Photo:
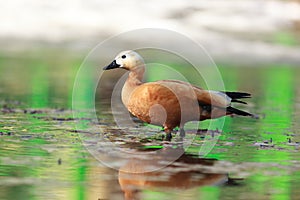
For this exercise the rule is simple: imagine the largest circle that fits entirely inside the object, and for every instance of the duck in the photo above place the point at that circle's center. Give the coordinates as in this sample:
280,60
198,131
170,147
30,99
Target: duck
171,103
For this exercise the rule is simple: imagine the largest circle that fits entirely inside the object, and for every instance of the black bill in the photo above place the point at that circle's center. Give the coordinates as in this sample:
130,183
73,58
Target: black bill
112,65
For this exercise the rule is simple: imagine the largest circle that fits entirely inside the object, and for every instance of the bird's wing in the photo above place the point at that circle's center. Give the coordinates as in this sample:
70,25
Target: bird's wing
213,98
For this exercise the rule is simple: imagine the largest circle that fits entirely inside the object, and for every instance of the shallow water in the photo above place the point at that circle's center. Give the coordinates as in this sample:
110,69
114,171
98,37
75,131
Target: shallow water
45,152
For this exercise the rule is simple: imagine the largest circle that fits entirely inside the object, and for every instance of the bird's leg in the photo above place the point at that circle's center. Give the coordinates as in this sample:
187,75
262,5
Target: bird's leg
181,132
163,135
168,134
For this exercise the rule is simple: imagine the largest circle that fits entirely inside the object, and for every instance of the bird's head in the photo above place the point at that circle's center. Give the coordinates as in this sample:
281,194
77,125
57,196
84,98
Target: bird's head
128,60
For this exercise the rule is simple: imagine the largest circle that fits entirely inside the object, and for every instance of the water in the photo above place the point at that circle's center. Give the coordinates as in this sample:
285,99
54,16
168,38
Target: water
42,154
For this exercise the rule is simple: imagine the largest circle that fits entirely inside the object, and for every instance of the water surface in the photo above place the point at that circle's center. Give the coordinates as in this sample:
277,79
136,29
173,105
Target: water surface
42,155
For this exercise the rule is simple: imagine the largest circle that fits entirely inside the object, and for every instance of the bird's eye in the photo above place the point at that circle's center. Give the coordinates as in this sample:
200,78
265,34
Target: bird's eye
123,57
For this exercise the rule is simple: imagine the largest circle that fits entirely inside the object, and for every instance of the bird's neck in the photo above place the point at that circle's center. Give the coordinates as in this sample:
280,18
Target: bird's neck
134,80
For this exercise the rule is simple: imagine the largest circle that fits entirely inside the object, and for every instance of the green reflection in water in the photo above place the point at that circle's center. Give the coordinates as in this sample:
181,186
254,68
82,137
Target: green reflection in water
83,91
40,86
210,192
83,99
81,177
278,98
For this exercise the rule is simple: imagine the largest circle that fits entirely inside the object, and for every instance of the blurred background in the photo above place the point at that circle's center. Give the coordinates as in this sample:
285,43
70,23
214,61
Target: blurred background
255,44
51,39
232,31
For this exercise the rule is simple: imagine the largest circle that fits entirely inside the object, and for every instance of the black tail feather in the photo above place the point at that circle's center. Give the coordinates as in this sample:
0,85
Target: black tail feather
238,101
238,95
232,110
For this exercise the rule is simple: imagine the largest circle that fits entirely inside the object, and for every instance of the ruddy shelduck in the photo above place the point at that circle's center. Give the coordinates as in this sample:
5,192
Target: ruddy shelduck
170,103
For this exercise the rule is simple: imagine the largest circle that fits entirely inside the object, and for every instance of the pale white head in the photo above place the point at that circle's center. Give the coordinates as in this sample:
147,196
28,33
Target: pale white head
128,60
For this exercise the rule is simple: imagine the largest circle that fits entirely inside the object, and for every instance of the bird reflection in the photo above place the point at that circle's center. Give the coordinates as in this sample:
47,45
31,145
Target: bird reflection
184,173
